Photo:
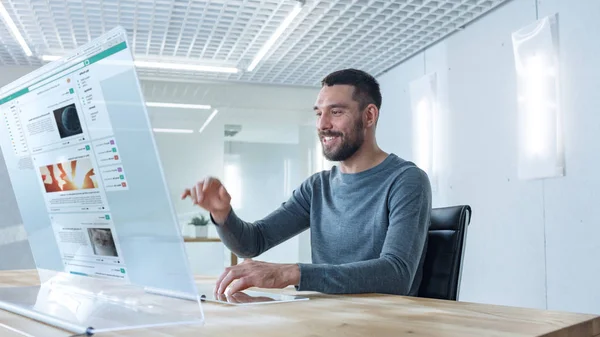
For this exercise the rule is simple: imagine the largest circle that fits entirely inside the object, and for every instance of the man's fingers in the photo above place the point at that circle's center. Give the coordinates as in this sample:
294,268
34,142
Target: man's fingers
240,297
199,192
220,279
232,299
231,276
186,193
222,297
207,182
193,195
241,284
223,195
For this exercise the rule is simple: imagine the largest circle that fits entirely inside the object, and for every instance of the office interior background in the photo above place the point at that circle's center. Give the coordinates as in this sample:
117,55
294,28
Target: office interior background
533,240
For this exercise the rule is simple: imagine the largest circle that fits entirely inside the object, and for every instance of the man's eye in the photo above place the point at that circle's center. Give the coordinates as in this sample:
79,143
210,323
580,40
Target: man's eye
318,114
336,112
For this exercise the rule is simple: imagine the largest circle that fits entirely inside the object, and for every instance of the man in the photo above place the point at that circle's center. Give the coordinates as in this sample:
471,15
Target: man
368,218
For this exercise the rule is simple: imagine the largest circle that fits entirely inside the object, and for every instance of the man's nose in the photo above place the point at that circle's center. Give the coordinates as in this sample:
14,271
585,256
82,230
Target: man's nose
324,122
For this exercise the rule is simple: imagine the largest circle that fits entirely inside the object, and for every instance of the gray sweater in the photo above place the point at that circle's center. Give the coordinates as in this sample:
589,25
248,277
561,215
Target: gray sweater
368,229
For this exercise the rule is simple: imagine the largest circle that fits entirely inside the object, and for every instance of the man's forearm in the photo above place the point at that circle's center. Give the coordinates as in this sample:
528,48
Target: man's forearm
247,239
242,238
381,275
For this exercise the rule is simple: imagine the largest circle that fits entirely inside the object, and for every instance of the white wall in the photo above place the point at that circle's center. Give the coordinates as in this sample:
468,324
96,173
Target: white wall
572,229
263,180
187,159
531,243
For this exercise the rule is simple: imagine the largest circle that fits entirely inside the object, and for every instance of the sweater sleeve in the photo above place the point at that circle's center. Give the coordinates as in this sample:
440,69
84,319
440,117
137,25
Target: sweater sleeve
247,239
409,208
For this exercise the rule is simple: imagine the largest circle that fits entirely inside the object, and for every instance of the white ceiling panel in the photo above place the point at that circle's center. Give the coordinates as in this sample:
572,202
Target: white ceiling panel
372,35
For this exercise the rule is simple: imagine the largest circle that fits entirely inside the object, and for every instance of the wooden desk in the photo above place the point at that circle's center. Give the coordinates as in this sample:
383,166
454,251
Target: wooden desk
234,258
326,315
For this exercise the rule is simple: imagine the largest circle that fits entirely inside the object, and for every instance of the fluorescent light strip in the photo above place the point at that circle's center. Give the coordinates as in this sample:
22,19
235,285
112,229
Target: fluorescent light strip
180,66
210,118
14,30
173,130
166,65
275,36
50,58
178,106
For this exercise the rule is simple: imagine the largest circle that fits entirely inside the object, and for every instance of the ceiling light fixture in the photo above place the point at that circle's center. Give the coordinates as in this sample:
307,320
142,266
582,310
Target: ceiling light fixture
166,65
173,130
178,105
286,22
181,66
14,30
50,58
210,118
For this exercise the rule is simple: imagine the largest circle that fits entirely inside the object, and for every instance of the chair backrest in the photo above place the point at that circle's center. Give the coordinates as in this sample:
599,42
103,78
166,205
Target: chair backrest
443,260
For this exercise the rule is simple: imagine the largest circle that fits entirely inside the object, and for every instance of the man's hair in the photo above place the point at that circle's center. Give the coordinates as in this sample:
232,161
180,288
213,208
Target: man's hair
366,87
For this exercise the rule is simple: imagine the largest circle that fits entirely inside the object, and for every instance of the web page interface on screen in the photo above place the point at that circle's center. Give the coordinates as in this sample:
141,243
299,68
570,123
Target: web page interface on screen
76,139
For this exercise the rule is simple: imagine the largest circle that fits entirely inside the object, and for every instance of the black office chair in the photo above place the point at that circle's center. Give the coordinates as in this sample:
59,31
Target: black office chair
443,259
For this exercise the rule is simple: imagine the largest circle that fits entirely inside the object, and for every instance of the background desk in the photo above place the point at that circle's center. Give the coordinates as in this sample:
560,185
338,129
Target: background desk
326,315
234,258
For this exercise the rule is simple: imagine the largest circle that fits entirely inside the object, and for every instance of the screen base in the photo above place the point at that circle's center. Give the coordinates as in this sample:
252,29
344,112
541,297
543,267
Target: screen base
80,312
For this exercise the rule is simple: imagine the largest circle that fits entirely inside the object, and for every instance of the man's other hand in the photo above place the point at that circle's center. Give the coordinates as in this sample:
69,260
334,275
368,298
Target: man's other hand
257,274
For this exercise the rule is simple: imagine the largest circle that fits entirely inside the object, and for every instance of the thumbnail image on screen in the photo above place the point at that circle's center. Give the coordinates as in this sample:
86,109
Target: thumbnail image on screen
72,175
102,241
67,121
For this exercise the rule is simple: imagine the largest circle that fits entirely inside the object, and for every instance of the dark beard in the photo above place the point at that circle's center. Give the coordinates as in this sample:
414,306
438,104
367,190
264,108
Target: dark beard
349,146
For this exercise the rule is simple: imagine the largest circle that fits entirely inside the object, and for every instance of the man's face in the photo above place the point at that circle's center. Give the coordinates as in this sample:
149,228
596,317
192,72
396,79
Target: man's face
339,122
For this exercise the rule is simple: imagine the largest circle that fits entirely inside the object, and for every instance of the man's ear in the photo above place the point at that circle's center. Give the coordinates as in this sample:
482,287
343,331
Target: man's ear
372,114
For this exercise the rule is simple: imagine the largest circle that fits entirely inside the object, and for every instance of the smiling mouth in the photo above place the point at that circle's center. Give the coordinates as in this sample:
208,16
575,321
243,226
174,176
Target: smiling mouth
328,139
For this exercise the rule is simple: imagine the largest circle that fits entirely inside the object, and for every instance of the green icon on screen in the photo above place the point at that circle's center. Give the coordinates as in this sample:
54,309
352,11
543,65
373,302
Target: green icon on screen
107,217
71,91
114,149
122,177
87,147
122,271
